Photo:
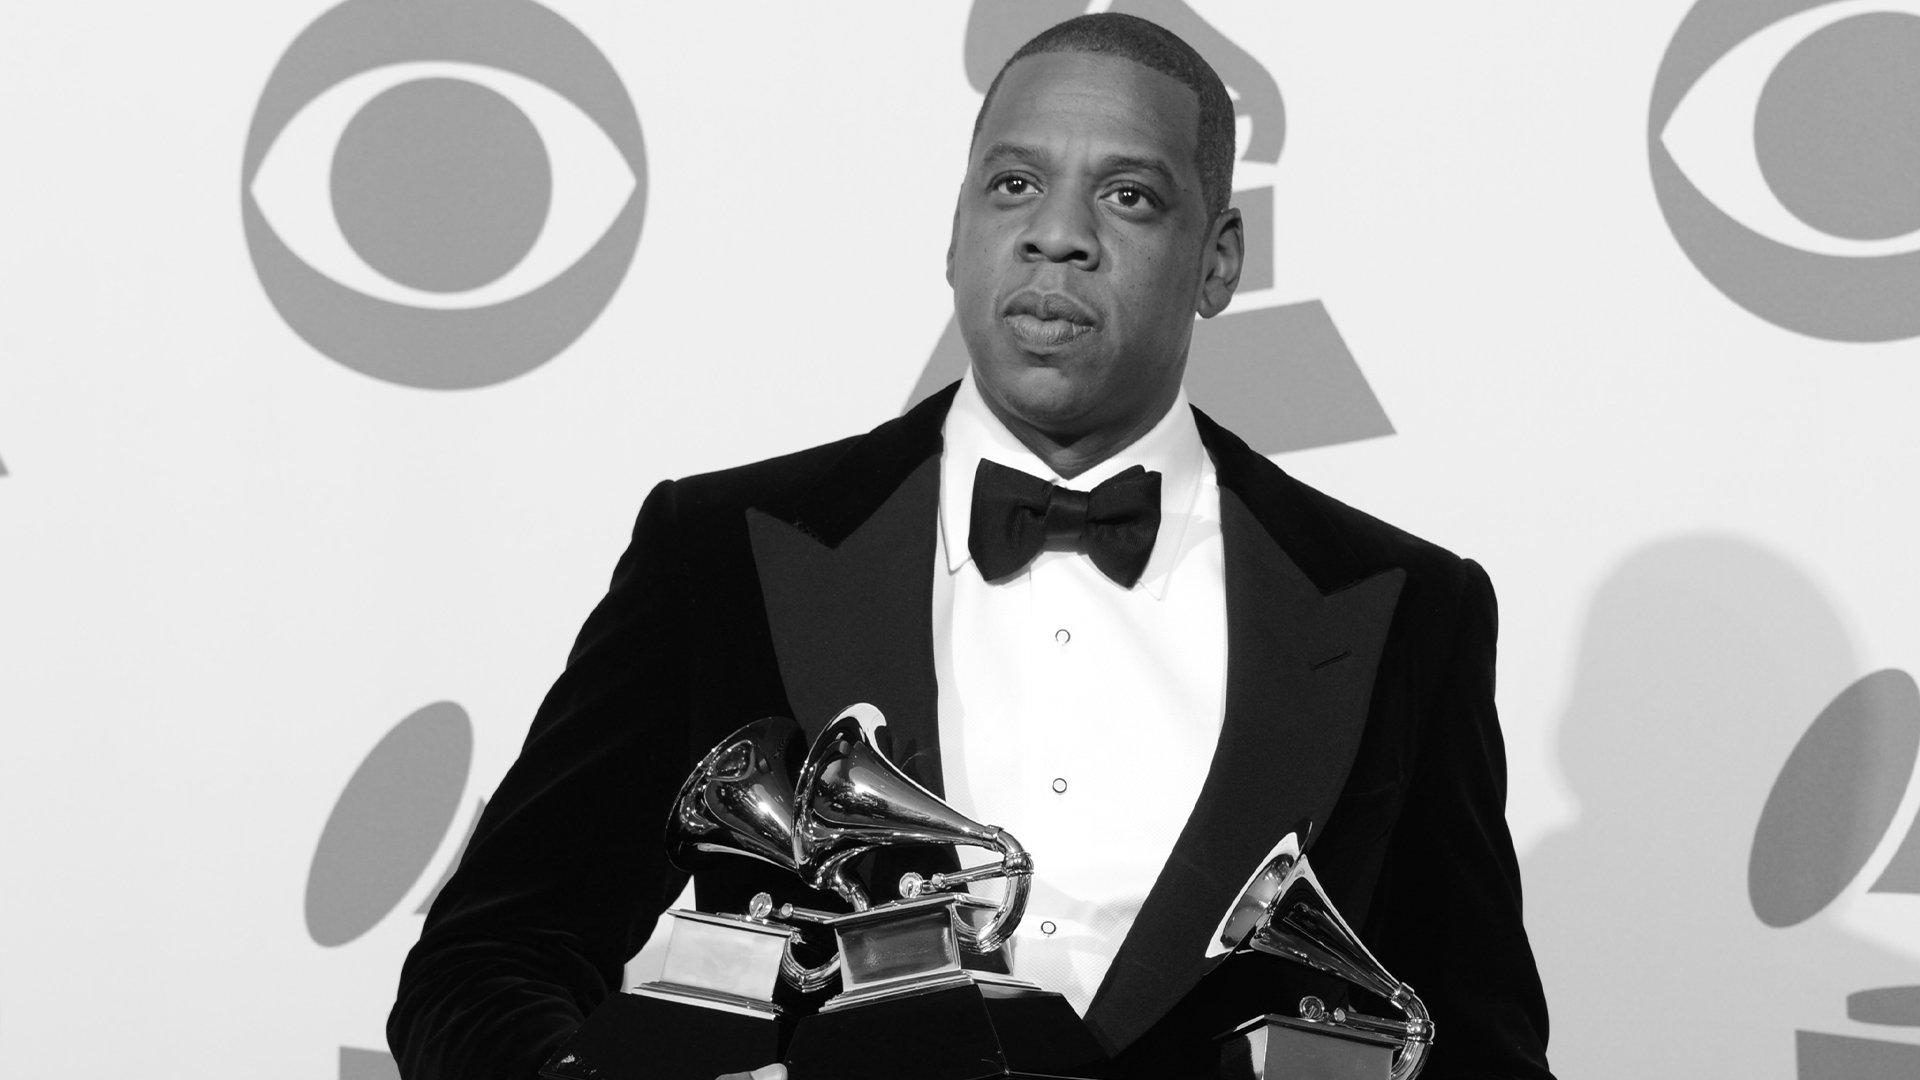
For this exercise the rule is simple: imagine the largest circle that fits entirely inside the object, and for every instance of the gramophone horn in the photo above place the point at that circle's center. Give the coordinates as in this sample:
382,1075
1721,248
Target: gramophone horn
852,798
739,801
1296,921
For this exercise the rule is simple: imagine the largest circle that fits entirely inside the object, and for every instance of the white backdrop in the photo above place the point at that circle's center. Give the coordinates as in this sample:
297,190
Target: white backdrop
251,526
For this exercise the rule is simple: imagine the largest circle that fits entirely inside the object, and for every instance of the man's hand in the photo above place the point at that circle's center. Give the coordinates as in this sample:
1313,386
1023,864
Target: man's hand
764,1072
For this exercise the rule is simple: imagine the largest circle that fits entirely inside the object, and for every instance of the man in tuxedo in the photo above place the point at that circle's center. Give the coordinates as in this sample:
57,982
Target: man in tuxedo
1091,615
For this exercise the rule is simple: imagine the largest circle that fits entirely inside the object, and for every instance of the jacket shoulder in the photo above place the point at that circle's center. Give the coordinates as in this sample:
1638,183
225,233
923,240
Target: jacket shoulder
1440,585
1378,544
1335,543
770,482
827,489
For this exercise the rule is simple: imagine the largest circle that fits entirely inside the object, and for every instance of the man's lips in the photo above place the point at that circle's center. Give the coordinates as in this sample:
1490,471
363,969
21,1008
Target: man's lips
1046,321
1035,333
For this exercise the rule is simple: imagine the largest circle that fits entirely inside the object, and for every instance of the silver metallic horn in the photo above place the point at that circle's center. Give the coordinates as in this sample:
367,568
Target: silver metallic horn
852,799
739,801
1284,912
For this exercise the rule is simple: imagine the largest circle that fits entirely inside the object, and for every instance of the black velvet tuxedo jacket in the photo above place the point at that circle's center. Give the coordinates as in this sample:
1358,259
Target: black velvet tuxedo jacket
1359,698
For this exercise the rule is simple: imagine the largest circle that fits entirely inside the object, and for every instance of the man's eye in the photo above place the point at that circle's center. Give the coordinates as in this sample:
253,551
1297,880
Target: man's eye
1013,185
1131,196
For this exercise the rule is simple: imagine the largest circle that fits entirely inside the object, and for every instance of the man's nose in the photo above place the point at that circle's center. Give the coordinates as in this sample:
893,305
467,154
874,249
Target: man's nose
1062,230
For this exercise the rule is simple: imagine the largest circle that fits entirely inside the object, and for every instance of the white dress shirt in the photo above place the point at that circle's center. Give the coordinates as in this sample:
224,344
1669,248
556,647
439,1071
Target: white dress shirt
1079,715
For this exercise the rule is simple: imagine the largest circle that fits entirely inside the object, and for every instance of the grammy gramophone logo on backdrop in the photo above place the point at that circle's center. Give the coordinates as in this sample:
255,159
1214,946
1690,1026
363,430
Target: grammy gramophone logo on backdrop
396,812
1835,804
1784,144
1279,376
442,194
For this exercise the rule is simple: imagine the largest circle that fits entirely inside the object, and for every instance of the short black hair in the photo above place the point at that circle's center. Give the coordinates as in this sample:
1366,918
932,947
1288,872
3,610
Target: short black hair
1154,46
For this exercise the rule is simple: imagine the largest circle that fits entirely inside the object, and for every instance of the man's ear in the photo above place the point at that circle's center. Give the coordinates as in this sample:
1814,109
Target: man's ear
953,234
1220,266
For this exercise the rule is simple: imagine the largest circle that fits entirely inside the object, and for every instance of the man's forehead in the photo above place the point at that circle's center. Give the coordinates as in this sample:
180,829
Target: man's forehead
1127,107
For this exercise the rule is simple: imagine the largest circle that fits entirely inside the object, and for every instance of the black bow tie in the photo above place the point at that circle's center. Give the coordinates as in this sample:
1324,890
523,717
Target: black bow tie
1015,515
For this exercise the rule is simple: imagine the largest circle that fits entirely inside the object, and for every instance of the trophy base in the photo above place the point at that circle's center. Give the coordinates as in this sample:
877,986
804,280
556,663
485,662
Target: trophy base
1284,1048
971,1030
662,1032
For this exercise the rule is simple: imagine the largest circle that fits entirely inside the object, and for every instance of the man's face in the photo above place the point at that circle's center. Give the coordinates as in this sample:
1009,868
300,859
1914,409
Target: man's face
1082,247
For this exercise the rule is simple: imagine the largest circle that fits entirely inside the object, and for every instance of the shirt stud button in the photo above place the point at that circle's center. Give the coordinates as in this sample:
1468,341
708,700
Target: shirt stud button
1063,635
1059,785
1048,928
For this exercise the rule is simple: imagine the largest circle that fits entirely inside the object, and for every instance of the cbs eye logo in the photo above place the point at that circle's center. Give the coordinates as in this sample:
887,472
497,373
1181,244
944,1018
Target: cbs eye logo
1784,143
440,194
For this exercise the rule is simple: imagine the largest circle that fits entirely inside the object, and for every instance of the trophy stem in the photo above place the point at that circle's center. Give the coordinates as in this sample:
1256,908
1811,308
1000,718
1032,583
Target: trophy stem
944,882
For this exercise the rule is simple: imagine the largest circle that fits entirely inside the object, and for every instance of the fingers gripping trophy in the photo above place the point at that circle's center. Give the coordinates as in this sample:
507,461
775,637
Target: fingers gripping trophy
906,1002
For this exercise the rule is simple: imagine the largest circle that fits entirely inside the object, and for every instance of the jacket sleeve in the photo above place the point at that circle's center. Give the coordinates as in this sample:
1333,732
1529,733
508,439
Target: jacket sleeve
565,873
1447,908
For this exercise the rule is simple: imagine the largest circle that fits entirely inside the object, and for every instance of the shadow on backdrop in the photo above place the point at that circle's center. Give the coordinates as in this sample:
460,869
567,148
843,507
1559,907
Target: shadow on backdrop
1703,665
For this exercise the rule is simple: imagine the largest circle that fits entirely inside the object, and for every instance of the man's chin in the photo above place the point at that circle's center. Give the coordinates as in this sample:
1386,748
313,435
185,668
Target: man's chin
1041,399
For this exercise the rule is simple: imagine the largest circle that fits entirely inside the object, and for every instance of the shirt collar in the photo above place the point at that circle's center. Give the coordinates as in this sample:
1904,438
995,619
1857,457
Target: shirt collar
1172,448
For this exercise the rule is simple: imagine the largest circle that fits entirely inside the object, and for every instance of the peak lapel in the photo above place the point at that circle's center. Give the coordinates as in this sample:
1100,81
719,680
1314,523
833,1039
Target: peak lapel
1305,634
847,573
